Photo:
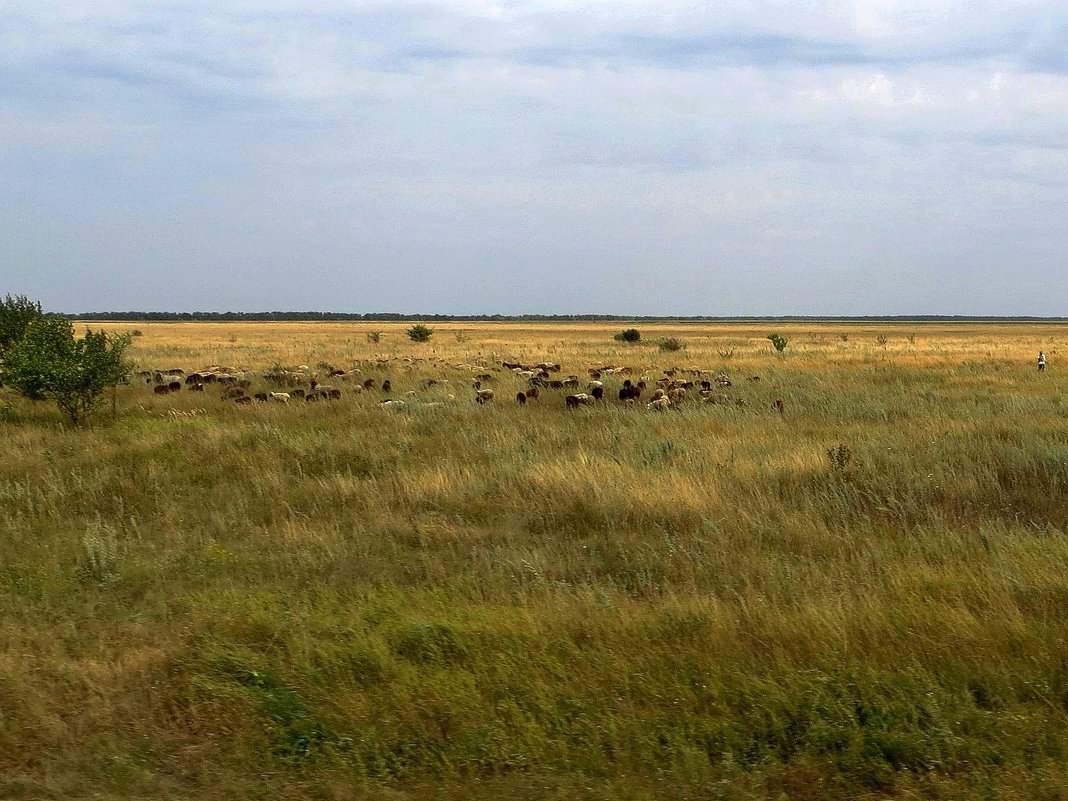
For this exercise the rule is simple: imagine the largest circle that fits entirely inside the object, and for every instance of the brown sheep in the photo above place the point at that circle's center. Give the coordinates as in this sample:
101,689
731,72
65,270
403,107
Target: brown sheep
779,406
521,398
532,393
483,395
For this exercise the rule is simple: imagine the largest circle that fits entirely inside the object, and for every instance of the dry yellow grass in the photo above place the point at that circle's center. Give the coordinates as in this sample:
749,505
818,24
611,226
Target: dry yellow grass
457,601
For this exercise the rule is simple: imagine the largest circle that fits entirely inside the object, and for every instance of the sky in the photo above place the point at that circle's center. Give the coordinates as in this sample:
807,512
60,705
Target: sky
743,157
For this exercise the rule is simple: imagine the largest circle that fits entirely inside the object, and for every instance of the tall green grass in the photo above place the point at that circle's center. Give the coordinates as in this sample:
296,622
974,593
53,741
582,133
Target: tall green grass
334,601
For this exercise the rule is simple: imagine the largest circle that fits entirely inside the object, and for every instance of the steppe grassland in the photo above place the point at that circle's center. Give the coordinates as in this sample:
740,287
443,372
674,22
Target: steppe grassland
334,601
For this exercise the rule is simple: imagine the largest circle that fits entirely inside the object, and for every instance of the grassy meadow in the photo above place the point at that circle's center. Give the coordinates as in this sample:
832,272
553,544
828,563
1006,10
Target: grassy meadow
455,601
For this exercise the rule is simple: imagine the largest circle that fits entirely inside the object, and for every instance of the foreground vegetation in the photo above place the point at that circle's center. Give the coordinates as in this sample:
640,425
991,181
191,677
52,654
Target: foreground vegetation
862,597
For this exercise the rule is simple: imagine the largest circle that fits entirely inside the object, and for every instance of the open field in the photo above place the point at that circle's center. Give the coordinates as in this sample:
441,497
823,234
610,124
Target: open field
206,600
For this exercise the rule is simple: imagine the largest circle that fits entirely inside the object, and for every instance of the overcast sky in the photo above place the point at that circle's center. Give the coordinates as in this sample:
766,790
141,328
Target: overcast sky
742,157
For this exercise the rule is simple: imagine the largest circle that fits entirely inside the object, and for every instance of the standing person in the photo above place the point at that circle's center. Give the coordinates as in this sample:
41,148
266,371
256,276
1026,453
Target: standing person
1041,361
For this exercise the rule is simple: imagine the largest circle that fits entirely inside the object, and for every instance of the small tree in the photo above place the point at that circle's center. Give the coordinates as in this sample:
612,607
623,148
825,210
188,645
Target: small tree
629,335
16,314
49,362
420,333
778,341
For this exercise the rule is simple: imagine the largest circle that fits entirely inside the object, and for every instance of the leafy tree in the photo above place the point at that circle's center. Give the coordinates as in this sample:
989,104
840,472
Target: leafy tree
50,363
778,341
16,314
420,333
629,335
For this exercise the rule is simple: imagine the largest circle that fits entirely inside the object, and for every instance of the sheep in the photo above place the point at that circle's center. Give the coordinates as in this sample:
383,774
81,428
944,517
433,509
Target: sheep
279,397
243,400
392,404
659,405
779,406
387,386
532,393
581,399
594,385
483,395
521,398
631,391
597,393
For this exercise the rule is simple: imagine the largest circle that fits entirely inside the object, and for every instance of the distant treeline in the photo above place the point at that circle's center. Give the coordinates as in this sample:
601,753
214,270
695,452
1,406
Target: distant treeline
390,317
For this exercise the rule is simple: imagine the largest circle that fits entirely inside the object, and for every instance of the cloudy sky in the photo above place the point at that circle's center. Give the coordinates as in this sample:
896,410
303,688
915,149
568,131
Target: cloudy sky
741,157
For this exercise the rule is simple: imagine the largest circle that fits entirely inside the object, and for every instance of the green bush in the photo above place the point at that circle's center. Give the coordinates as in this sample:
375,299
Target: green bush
778,341
50,363
16,315
629,335
420,333
671,344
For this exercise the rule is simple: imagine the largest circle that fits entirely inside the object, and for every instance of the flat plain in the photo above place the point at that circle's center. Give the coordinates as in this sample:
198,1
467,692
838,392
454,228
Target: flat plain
858,592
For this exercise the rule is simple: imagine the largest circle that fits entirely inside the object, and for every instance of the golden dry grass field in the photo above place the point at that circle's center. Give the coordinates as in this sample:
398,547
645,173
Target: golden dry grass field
863,596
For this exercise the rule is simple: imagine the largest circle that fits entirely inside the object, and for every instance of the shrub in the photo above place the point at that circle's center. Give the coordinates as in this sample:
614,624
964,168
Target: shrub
49,362
778,341
374,336
628,335
137,332
671,344
882,340
420,333
16,315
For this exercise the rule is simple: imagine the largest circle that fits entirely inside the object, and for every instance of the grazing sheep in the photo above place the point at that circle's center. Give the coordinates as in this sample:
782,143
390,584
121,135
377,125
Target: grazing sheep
597,393
160,389
297,393
676,395
243,400
392,404
483,395
779,406
581,399
370,383
532,393
174,386
631,392
753,378
197,387
279,397
387,386
261,396
521,398
659,405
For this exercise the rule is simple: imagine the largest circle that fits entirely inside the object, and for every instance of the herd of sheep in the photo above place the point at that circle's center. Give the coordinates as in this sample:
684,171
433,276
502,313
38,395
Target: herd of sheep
667,390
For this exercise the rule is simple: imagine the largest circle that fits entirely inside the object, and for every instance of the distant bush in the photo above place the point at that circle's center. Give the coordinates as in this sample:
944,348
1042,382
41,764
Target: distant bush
882,339
137,332
374,337
628,335
420,333
671,344
778,341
